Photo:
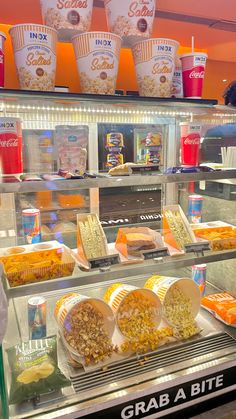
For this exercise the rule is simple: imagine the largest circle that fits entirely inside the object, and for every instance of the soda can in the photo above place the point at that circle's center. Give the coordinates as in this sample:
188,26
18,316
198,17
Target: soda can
199,277
31,225
37,317
2,41
195,208
11,160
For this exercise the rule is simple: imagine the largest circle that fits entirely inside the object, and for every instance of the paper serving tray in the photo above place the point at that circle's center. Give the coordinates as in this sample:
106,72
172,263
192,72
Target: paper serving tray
47,265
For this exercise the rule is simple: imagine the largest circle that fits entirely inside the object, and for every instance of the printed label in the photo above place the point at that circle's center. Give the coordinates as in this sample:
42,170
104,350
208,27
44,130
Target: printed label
130,18
73,15
155,65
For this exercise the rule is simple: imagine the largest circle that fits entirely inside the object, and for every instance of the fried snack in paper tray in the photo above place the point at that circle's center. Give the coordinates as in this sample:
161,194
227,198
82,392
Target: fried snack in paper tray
37,266
34,369
222,306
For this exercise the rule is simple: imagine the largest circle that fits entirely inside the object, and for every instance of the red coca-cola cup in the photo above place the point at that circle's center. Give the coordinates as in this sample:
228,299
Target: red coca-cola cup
2,40
193,67
190,143
11,162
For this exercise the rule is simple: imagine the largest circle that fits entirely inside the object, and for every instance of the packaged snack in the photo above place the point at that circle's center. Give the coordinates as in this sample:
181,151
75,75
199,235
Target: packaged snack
115,159
115,139
135,240
34,369
72,144
176,228
222,306
91,239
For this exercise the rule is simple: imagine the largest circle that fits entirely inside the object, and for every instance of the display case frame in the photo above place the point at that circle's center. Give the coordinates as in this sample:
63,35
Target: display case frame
136,387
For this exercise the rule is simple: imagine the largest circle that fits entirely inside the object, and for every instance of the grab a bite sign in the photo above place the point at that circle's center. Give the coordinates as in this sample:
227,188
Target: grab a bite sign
169,399
174,398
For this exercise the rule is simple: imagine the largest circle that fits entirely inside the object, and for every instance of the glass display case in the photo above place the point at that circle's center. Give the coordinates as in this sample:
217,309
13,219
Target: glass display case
157,381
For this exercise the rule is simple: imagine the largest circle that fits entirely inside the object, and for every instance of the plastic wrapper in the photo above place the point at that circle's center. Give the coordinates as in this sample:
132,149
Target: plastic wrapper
176,228
34,369
222,306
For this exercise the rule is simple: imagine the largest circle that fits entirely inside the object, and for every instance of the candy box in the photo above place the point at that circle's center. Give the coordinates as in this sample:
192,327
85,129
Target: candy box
222,306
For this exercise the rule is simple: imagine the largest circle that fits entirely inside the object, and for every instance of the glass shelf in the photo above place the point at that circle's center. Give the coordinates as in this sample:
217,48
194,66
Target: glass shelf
105,181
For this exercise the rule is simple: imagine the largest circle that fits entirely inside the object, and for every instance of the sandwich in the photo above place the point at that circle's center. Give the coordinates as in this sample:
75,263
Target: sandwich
139,242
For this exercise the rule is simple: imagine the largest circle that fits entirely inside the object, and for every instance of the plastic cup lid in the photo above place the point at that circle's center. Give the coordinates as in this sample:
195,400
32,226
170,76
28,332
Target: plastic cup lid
190,54
201,267
197,197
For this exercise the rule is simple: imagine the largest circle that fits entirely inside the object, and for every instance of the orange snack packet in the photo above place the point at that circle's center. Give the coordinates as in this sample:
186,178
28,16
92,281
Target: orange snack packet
222,306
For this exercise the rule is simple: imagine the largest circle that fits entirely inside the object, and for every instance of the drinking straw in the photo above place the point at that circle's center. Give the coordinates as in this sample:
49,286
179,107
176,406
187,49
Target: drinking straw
193,44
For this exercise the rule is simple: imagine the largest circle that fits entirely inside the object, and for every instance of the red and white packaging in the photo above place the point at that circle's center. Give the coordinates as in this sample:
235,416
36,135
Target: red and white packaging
2,40
190,143
193,66
11,161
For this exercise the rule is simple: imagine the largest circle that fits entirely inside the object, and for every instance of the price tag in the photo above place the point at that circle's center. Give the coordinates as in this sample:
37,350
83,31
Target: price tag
104,261
145,169
197,247
156,253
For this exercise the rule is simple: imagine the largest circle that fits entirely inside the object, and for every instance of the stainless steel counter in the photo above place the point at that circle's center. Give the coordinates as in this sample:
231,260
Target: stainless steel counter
171,366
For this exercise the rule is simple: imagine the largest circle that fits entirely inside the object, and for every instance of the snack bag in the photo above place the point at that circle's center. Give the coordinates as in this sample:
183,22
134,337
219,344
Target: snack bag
222,306
34,369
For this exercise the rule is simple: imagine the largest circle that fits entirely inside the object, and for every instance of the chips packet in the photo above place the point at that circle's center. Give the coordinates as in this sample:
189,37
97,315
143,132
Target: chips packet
222,306
34,369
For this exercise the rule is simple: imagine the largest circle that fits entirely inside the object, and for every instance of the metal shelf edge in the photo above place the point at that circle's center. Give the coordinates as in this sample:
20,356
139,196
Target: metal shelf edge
118,272
114,182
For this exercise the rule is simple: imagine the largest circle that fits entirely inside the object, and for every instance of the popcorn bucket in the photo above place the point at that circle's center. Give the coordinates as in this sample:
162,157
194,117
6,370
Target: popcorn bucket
97,55
67,17
35,56
132,20
118,294
163,286
155,65
66,307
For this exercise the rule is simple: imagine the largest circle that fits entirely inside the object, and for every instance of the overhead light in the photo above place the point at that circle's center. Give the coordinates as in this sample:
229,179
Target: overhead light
224,80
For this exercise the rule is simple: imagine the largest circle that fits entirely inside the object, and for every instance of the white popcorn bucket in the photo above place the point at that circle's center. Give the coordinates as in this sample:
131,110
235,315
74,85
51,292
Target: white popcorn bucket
119,294
155,65
72,300
177,86
35,56
131,20
67,17
161,285
97,55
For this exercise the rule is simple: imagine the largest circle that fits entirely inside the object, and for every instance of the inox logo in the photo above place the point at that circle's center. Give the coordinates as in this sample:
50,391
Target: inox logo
7,125
39,36
165,48
103,42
